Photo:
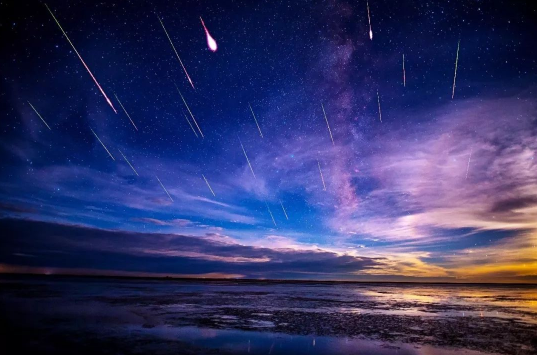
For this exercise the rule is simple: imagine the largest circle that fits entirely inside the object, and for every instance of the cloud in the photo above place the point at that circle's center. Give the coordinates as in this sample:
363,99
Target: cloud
424,186
15,208
174,222
76,185
90,248
508,257
513,204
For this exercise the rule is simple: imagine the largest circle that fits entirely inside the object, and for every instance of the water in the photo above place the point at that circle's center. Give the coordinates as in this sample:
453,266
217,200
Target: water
56,315
241,342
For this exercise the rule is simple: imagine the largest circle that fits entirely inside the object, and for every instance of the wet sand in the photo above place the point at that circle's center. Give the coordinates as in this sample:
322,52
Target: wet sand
85,315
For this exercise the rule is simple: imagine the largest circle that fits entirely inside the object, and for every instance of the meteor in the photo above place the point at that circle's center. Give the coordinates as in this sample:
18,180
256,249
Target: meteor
248,160
271,215
321,172
167,193
468,167
190,124
82,60
211,43
100,141
177,54
404,73
369,19
39,115
188,108
209,186
329,130
117,98
255,119
284,212
128,162
456,63
380,112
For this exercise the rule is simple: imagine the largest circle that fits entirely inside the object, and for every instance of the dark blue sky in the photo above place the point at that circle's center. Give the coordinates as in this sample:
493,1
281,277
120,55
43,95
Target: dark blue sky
437,187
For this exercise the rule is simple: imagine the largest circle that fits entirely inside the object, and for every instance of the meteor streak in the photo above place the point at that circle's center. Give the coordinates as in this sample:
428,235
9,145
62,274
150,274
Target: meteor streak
329,130
211,43
321,172
128,162
100,141
190,124
188,108
82,60
248,160
117,98
271,215
39,115
468,167
209,186
177,54
284,212
255,119
404,73
456,64
380,112
167,193
369,19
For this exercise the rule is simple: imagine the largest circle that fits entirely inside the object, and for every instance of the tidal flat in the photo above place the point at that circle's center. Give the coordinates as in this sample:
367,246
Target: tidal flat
83,315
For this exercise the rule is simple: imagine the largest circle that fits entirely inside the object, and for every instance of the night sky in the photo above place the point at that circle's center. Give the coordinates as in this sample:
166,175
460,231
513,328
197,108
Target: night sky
428,188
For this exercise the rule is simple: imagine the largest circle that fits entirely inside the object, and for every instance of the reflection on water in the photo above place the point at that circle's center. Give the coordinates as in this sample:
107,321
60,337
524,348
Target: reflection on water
518,296
242,342
510,302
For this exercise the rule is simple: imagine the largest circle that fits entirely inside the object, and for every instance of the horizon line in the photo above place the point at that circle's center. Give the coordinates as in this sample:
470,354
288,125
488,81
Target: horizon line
246,280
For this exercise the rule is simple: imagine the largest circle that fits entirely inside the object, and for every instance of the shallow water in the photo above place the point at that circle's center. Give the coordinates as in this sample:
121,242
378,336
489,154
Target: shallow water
67,314
252,342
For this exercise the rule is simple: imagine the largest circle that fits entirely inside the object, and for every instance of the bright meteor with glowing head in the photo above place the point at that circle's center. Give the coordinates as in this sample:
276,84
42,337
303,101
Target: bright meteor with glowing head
211,43
369,20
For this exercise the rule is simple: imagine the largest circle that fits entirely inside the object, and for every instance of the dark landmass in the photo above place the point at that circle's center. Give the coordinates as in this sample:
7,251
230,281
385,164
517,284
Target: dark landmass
252,281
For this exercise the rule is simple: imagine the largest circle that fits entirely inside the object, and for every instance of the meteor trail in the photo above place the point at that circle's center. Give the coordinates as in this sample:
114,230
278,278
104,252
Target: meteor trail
329,130
380,112
117,98
128,162
255,119
100,141
284,212
39,115
468,167
209,186
190,124
456,63
188,108
248,160
271,215
321,172
369,19
82,60
177,54
404,73
211,43
164,188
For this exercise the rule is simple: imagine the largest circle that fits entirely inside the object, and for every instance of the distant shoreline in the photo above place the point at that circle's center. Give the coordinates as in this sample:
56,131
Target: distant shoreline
249,281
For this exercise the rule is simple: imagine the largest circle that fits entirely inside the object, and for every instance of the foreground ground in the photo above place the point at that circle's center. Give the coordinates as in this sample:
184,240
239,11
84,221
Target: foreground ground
112,316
